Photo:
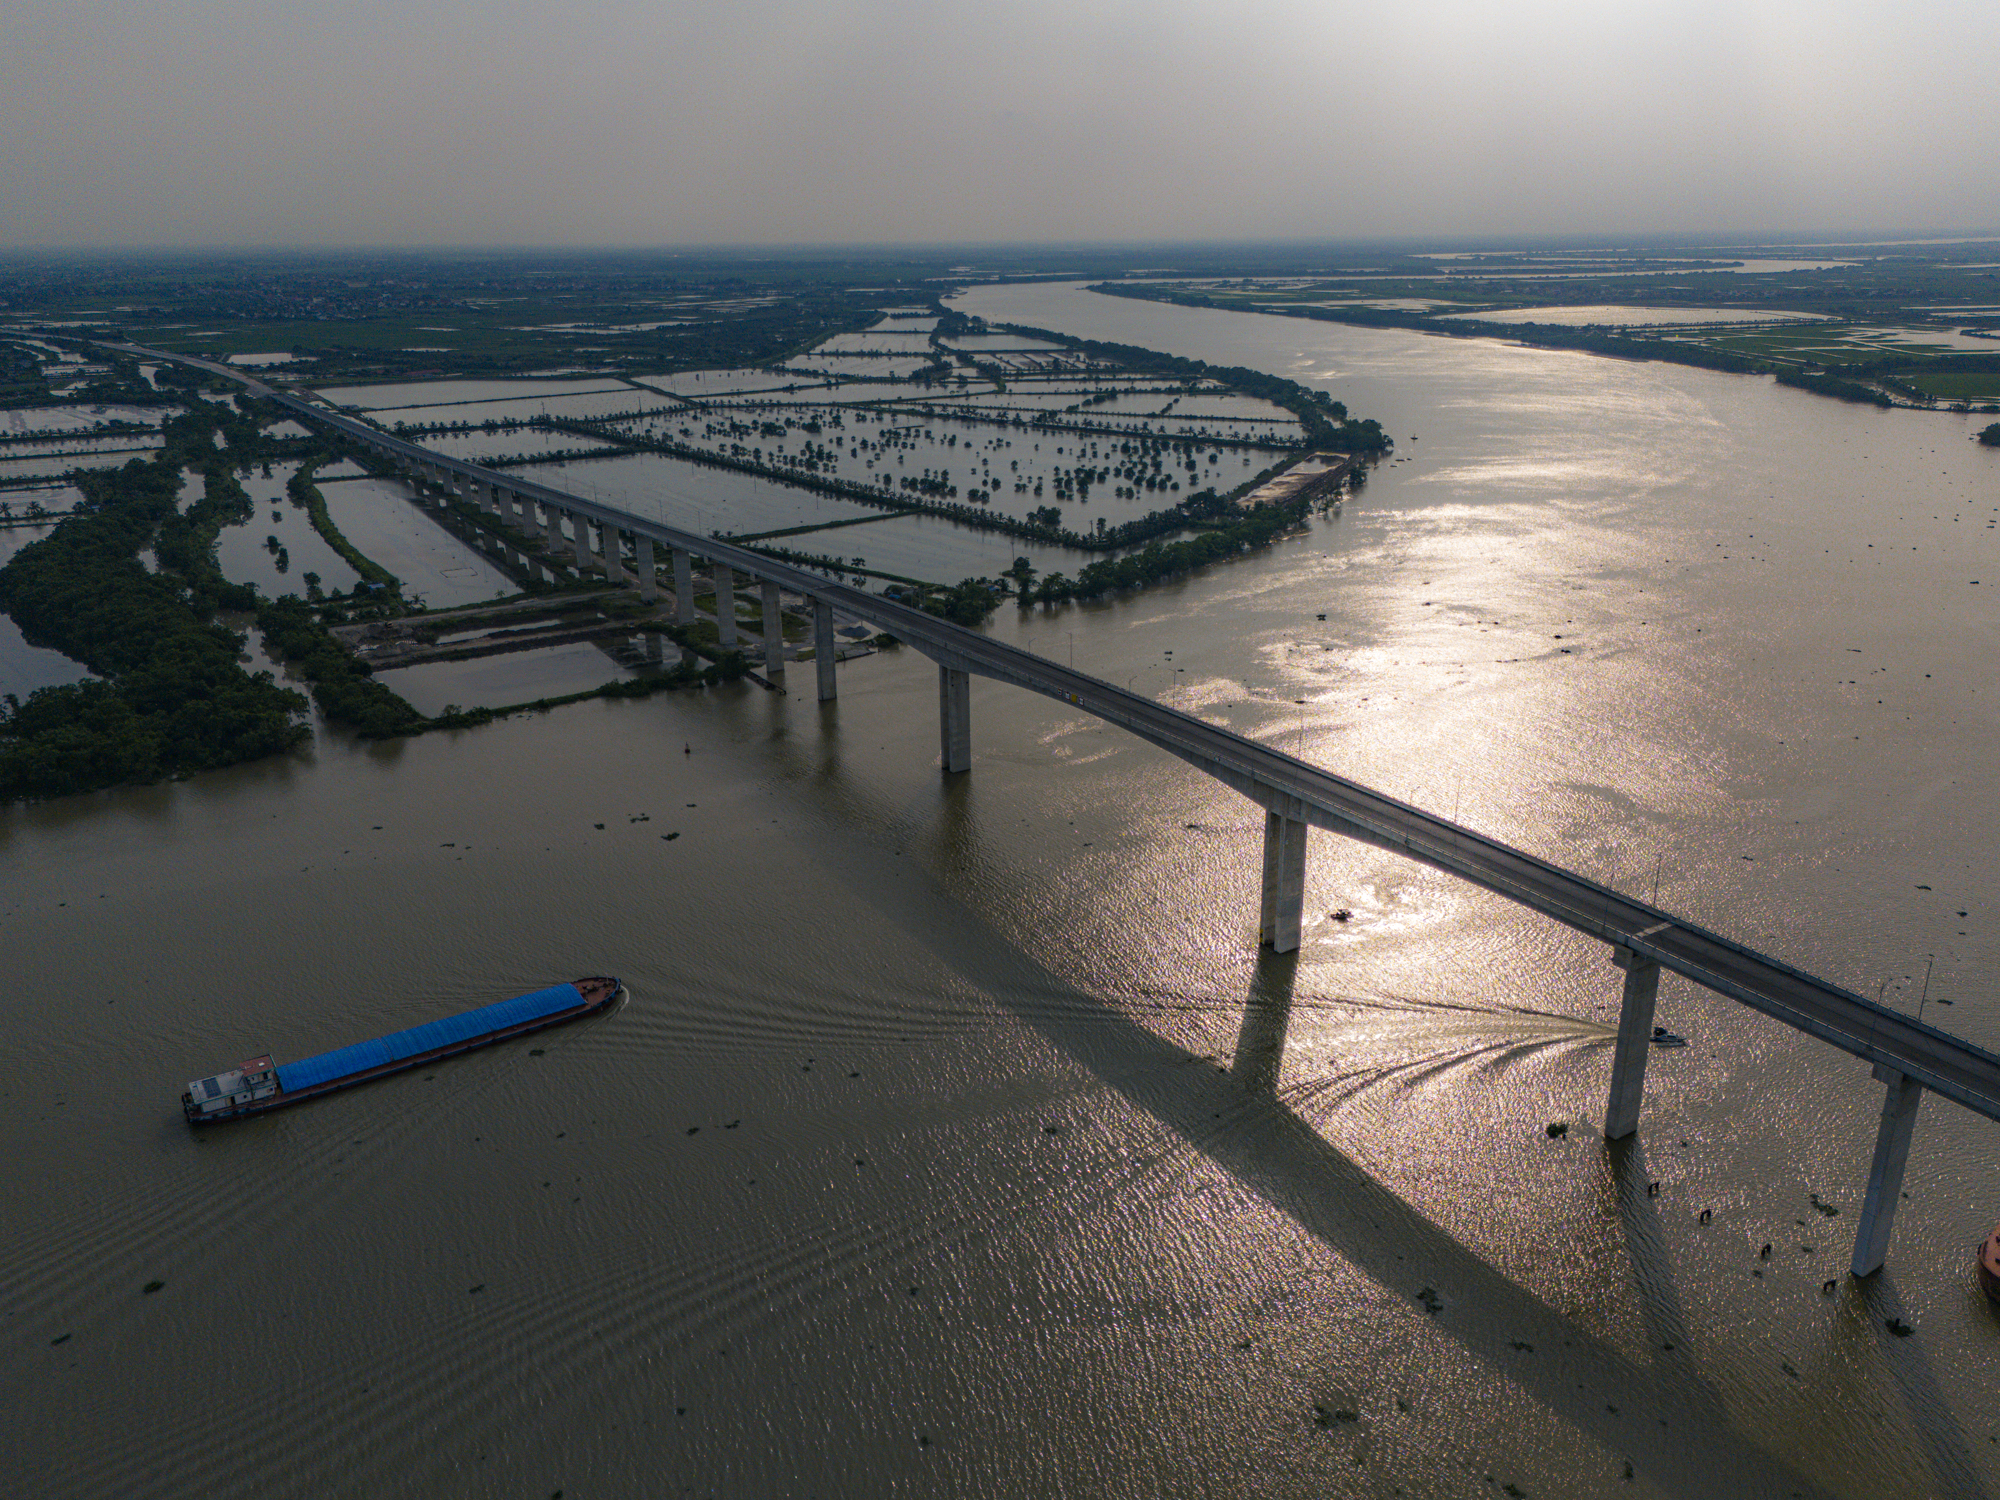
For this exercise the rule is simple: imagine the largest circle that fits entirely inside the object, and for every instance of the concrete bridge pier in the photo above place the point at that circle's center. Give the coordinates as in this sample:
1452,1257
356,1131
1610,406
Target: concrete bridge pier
954,719
581,528
1635,1036
614,552
684,597
1885,1173
683,587
522,517
774,632
649,578
1281,920
725,606
823,648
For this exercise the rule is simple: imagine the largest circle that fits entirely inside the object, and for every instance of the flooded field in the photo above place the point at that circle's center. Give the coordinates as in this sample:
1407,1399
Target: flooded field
1141,446
377,517
83,443
968,450
890,338
695,497
496,681
480,447
23,667
717,382
453,392
933,547
824,393
244,552
874,367
997,343
24,419
55,464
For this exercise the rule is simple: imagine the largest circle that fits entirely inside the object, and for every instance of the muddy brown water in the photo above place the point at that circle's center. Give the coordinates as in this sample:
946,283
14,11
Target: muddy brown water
954,1138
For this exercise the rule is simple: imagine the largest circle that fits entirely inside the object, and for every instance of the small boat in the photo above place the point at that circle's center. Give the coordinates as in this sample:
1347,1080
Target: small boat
1989,1266
257,1086
1665,1038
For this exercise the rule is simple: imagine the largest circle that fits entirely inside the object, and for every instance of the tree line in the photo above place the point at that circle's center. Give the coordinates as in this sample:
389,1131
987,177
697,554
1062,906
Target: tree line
1157,561
1849,383
169,697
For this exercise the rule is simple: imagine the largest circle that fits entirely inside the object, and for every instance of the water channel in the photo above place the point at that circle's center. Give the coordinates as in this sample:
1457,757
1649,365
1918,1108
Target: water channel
956,1140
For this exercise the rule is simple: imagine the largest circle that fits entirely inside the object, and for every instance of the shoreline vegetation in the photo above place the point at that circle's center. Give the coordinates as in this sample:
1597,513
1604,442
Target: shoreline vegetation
168,697
304,492
1881,381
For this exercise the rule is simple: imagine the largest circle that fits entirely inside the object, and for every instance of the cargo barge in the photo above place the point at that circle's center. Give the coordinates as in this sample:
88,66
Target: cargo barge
257,1086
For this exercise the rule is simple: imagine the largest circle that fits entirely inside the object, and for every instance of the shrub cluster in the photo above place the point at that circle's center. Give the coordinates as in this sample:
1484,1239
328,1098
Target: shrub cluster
1136,570
169,698
342,686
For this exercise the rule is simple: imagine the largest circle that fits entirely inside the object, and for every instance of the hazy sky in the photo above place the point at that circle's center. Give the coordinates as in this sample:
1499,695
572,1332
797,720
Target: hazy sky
617,122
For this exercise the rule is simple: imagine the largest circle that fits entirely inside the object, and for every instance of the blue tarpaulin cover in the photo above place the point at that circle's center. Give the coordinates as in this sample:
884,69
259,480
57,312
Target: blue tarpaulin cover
359,1057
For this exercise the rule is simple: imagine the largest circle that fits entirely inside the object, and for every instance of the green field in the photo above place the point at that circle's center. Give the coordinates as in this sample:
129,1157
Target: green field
1950,387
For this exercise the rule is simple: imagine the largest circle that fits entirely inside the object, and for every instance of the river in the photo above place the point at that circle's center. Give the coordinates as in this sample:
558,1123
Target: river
955,1139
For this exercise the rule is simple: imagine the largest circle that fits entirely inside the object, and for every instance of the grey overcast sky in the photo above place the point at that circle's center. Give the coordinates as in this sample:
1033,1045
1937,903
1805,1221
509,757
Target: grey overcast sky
656,122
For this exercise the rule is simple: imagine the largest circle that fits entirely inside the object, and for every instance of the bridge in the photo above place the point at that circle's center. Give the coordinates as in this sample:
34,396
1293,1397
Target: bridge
1907,1056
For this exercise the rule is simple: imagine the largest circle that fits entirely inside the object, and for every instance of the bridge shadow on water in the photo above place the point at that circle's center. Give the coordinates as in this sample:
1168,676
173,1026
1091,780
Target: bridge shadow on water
1867,1310
1684,1442
1871,1308
1658,1410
